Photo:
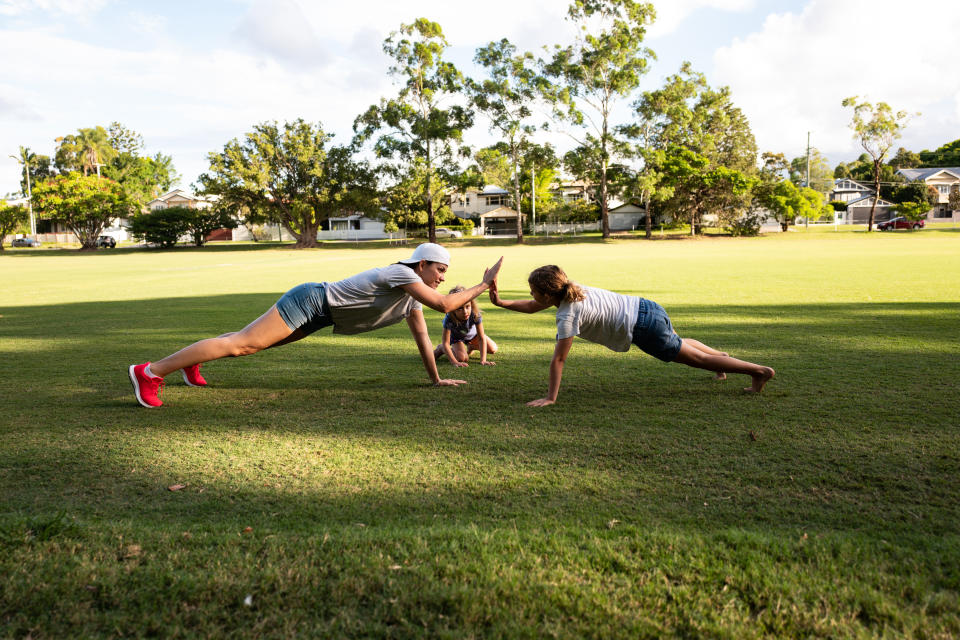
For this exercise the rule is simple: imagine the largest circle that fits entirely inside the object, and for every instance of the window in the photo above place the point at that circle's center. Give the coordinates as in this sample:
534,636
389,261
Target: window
468,201
495,200
944,189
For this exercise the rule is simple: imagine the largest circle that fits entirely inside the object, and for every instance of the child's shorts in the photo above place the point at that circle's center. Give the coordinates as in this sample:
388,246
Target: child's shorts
654,332
305,307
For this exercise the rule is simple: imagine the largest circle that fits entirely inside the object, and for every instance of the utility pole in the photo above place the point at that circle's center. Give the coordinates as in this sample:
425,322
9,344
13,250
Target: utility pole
806,219
533,199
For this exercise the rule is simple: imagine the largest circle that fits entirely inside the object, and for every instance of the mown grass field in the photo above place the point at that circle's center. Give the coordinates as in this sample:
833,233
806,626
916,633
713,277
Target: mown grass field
330,492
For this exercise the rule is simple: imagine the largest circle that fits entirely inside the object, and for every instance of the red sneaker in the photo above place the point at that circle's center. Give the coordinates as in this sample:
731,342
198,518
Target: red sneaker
147,388
191,375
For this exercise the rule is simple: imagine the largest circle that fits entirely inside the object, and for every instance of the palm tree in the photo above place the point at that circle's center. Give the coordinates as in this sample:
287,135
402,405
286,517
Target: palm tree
88,150
27,158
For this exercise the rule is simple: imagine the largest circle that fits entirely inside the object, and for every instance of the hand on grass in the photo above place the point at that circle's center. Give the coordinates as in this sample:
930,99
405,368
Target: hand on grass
488,362
540,402
457,363
449,382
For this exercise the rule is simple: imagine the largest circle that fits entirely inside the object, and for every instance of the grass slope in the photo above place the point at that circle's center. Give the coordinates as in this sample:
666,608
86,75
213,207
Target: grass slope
331,492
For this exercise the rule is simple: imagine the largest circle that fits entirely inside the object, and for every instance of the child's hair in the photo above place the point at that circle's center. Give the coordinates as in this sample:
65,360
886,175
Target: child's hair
551,281
474,307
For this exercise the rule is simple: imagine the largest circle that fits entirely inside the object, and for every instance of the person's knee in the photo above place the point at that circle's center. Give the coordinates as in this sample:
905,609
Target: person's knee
237,346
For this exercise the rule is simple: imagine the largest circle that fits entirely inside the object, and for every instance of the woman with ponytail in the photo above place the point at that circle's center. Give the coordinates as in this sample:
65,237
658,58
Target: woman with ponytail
616,321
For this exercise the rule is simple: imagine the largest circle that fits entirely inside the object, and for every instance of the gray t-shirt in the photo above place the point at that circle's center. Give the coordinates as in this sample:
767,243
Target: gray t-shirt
603,317
371,299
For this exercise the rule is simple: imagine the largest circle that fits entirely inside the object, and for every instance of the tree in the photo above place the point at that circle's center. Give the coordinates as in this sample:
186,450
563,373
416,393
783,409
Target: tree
27,158
413,127
904,159
83,203
404,201
947,155
876,127
954,198
203,221
12,218
913,210
539,168
687,115
505,97
87,151
821,176
697,186
290,175
602,67
162,227
492,167
143,177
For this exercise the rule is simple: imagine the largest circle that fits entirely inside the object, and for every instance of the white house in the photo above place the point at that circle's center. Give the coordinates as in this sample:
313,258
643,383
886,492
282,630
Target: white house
943,179
178,198
471,203
354,227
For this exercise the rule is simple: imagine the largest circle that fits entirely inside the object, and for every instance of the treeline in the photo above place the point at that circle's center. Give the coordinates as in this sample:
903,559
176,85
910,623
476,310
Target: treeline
685,152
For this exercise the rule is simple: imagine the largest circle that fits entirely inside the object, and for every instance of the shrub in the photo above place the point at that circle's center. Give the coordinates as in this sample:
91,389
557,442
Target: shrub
162,227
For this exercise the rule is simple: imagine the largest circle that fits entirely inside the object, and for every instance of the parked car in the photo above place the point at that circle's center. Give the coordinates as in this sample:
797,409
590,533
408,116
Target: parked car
900,223
443,232
108,242
25,242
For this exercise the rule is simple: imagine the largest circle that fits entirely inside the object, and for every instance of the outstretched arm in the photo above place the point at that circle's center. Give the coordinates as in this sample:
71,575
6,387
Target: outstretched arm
523,306
418,327
444,303
556,373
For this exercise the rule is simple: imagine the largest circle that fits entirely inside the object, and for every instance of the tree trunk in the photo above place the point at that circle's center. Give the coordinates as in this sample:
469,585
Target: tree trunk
431,221
516,195
876,193
647,222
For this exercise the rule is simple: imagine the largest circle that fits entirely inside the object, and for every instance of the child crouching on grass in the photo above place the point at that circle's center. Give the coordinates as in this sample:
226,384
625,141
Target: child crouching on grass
616,321
463,333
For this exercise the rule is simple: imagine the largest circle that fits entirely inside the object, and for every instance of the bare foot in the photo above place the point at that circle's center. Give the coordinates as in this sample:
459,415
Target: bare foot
760,379
719,375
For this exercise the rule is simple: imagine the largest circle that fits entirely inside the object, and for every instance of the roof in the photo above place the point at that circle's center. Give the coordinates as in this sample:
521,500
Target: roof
492,189
880,203
856,182
925,174
500,212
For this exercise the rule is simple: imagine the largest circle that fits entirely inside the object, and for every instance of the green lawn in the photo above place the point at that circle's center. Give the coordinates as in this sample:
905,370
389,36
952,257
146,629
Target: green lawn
331,492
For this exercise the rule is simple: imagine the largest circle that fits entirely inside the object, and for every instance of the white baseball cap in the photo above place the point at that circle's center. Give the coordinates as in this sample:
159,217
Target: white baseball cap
430,252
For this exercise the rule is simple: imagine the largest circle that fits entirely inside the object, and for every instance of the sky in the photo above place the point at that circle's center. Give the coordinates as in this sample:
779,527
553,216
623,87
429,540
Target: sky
191,75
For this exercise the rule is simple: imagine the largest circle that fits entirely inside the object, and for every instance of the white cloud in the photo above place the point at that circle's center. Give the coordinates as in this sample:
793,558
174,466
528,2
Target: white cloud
281,29
791,76
65,7
672,13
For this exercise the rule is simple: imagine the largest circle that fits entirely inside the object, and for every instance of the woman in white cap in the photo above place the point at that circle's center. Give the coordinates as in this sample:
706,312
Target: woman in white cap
369,300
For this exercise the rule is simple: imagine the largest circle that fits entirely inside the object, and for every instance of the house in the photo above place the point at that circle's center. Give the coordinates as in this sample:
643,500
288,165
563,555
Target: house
943,179
847,190
500,221
572,191
858,211
354,226
626,216
471,203
178,198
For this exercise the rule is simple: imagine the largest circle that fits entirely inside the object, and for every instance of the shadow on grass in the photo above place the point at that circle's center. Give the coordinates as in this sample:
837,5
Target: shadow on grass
856,434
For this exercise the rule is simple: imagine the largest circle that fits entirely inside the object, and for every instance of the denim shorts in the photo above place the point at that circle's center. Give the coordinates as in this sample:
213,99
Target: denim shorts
654,332
305,307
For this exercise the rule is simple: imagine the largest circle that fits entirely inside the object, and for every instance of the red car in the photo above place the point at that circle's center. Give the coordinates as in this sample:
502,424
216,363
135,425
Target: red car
900,223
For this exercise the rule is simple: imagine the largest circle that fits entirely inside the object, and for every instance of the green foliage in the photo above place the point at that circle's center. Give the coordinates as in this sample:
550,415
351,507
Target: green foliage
838,205
290,175
821,177
875,127
787,202
84,150
413,128
85,204
689,128
504,96
493,167
404,200
590,77
947,155
898,190
204,220
162,227
747,224
905,159
913,210
12,219
954,198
